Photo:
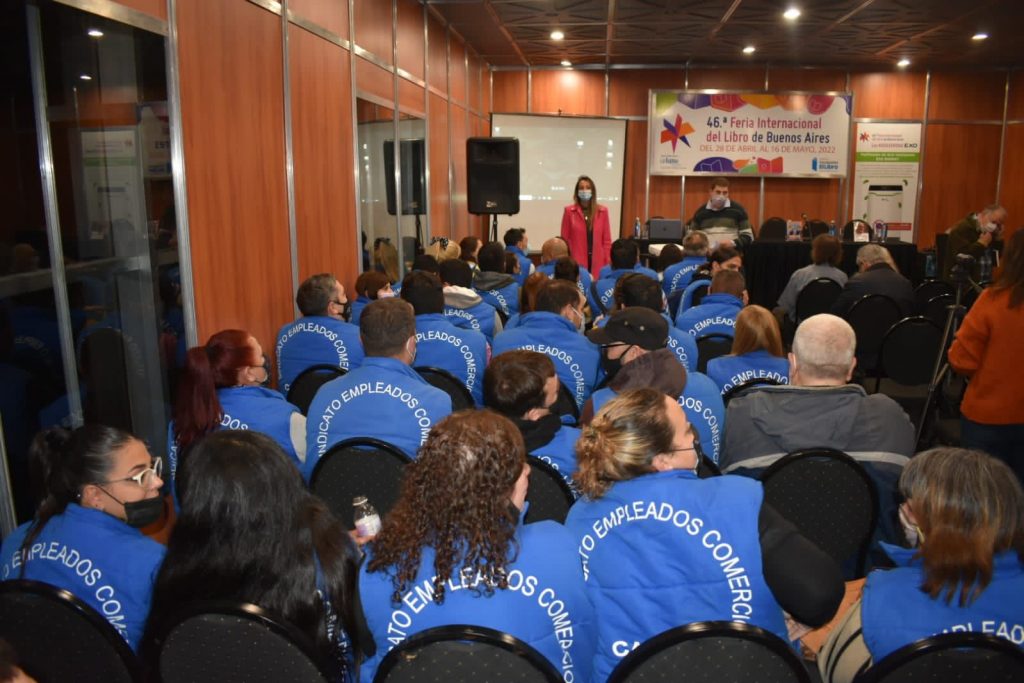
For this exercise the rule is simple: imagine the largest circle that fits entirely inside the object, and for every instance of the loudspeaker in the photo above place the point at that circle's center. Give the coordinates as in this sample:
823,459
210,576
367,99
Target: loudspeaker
411,156
492,168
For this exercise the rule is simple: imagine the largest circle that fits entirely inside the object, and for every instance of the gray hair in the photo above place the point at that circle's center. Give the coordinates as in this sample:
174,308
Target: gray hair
823,346
871,254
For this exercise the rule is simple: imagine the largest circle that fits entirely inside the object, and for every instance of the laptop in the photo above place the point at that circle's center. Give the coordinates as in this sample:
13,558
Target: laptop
665,230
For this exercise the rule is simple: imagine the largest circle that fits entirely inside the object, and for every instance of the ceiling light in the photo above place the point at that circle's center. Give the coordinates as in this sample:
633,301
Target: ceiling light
749,50
94,33
557,35
566,62
792,14
86,77
980,35
903,63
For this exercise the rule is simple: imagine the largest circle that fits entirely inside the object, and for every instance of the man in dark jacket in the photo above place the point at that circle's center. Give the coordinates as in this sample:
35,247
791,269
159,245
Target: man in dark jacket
973,236
877,275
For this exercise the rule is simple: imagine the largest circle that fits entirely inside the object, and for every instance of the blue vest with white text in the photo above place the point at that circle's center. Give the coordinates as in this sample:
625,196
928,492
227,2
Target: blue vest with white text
560,453
682,345
582,284
440,344
731,371
605,286
666,549
479,318
716,314
315,340
678,275
525,265
505,299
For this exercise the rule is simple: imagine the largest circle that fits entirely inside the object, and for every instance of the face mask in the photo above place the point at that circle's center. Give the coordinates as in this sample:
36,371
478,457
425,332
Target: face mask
140,513
581,325
912,531
717,202
386,294
611,366
266,372
584,195
346,311
411,350
989,227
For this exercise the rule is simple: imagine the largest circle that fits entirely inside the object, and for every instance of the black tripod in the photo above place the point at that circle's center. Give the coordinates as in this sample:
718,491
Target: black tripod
961,274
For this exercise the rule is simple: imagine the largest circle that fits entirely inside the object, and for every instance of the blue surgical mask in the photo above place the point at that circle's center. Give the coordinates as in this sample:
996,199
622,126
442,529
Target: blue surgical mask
584,195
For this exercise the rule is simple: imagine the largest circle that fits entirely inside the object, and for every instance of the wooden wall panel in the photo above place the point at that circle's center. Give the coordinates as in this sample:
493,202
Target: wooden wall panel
373,30
440,215
457,70
959,175
460,132
474,83
486,105
888,95
664,201
411,97
230,54
437,53
325,199
509,92
568,92
330,14
1016,108
790,198
727,79
410,38
374,80
634,175
154,8
1010,195
807,79
975,95
627,88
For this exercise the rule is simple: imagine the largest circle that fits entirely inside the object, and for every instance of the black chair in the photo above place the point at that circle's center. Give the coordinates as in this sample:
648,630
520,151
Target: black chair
309,381
928,289
359,467
829,497
816,297
449,384
908,352
60,638
699,293
548,495
712,652
849,227
222,642
566,404
673,302
773,229
937,308
950,657
711,346
816,227
707,467
871,316
743,388
464,654
941,252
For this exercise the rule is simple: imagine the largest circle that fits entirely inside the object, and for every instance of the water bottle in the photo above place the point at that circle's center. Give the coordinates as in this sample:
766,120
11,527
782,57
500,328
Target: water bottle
366,518
832,228
930,267
985,267
885,231
636,227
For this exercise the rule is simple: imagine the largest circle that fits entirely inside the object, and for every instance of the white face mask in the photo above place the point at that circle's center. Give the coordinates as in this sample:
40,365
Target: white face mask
989,227
410,348
581,325
385,294
584,195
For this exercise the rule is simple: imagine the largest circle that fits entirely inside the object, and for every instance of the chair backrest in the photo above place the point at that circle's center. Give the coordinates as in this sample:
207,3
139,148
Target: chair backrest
772,229
816,227
711,652
871,316
742,388
60,638
828,496
924,292
224,642
565,405
909,350
464,654
449,384
950,657
849,227
941,248
548,494
699,293
816,297
309,381
359,467
711,346
936,308
673,302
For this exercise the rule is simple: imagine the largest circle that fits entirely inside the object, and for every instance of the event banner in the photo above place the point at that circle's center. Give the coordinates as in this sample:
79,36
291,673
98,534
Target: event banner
886,167
711,132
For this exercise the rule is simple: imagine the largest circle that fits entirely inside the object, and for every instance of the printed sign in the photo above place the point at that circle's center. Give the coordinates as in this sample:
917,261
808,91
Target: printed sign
887,164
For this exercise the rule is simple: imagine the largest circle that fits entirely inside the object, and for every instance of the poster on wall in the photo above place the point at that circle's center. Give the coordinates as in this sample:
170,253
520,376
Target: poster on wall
154,139
111,186
711,132
886,167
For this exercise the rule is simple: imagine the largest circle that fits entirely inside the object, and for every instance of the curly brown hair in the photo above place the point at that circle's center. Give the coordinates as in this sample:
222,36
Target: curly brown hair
456,499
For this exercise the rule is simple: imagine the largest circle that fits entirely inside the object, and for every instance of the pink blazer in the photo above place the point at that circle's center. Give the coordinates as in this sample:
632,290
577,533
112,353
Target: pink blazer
574,232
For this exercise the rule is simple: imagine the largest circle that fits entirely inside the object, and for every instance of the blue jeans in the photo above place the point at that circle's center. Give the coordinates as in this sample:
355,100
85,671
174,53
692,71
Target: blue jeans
1005,442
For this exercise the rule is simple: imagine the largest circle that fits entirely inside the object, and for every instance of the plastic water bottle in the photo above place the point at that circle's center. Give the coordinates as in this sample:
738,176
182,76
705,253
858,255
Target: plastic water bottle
366,518
985,267
930,267
636,227
832,228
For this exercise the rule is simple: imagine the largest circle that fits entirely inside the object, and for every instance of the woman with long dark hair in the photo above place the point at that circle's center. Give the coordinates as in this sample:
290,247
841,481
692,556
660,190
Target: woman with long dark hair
586,228
98,487
756,352
454,551
223,388
249,531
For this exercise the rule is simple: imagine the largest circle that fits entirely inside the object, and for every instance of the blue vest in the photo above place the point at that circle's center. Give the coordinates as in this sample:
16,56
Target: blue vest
895,612
383,399
607,271
545,604
730,371
582,284
358,305
716,314
97,558
605,287
315,340
683,345
577,360
678,275
667,549
686,301
560,453
440,344
479,318
505,299
525,264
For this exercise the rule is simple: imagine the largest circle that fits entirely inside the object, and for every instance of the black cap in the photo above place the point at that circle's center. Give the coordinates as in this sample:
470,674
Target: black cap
637,326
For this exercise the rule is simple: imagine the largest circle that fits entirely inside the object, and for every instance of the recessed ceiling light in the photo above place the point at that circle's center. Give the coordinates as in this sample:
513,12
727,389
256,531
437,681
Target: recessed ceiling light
749,50
566,62
86,77
95,33
980,35
792,14
903,63
557,35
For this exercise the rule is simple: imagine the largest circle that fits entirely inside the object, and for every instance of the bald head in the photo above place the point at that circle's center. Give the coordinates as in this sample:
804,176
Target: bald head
823,352
553,249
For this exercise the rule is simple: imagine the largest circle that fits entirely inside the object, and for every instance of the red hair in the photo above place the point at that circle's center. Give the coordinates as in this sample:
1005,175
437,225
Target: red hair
197,410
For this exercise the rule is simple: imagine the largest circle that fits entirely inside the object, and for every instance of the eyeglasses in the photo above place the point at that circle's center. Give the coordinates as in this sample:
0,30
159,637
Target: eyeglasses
145,477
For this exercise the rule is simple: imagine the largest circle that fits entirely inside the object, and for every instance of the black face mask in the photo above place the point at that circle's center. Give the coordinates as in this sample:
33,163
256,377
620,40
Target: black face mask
346,311
610,366
266,372
140,513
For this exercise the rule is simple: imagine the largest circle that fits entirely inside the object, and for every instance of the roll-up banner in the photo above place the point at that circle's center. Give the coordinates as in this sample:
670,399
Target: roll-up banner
714,132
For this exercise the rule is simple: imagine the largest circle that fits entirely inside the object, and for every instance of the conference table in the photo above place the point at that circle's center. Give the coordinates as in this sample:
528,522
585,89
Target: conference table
768,264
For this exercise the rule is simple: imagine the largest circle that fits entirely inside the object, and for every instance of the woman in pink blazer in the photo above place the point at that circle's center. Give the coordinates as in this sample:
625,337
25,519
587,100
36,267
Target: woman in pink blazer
585,227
